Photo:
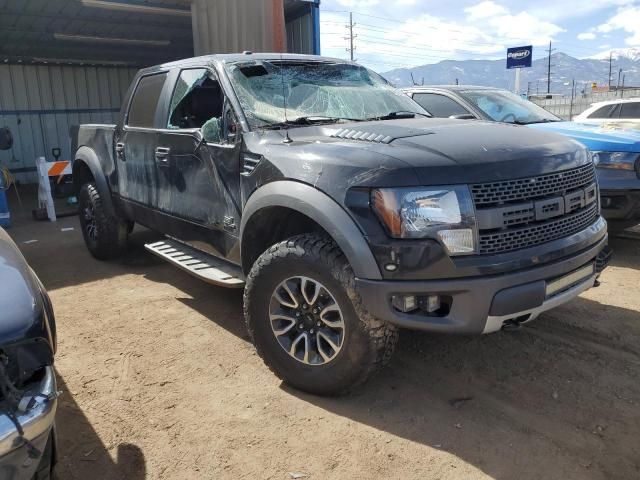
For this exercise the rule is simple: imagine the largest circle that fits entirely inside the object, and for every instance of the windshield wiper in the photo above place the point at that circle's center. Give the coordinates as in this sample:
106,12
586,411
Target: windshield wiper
399,114
309,120
530,122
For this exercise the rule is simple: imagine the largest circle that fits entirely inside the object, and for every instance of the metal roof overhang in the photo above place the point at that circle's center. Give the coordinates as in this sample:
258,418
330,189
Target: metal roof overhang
95,32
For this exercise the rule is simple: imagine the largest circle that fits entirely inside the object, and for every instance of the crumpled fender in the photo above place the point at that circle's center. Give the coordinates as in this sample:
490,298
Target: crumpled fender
323,210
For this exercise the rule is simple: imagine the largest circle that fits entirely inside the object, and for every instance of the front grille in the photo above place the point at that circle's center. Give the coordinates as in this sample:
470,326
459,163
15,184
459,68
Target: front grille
525,212
508,239
509,191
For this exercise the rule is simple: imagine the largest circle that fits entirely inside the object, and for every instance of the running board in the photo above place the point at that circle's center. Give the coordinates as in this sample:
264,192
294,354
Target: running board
199,264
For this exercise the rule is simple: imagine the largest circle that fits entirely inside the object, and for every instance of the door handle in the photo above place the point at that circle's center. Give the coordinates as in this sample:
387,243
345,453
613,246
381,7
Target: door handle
162,156
120,151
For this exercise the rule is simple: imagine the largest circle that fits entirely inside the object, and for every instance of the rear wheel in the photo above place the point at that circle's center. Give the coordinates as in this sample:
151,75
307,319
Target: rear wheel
104,234
307,321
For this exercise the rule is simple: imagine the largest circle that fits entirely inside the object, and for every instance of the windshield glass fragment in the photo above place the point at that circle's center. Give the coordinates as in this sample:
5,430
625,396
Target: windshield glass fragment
321,90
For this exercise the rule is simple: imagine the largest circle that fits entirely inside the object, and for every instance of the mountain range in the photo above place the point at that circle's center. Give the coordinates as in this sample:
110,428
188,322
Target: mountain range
493,73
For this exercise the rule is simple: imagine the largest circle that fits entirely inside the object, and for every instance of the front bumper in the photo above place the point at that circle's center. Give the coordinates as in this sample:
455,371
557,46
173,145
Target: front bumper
35,415
482,304
619,194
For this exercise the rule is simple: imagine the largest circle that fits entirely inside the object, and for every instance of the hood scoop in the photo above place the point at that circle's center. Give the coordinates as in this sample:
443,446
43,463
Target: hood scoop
380,132
351,134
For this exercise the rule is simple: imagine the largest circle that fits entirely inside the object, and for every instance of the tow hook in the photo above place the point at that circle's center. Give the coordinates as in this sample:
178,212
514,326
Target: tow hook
514,324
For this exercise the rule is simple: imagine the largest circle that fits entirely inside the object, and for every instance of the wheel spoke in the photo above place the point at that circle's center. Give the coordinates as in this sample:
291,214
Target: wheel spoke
292,302
303,337
325,356
329,341
286,329
332,323
305,285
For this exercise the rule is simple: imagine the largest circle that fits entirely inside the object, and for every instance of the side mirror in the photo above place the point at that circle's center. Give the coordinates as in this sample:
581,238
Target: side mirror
212,131
463,116
6,139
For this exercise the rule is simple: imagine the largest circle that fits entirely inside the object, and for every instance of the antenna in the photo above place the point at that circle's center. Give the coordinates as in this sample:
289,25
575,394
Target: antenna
287,138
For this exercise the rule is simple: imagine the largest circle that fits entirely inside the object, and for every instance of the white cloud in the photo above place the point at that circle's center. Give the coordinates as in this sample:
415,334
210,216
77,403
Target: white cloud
485,32
586,36
627,19
485,9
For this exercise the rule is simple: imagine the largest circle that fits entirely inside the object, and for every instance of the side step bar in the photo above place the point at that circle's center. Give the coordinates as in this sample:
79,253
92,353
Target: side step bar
199,264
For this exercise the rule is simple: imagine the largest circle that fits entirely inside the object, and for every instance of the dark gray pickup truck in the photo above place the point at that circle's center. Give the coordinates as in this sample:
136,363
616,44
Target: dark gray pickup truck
340,207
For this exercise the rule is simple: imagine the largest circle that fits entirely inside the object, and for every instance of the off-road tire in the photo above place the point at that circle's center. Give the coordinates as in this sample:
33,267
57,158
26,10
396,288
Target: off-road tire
368,342
110,240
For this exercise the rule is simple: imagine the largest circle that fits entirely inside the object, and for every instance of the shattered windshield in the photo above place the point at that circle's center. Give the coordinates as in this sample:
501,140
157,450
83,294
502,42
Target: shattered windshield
320,90
507,107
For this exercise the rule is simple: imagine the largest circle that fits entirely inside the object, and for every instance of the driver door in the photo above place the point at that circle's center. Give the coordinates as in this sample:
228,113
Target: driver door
197,162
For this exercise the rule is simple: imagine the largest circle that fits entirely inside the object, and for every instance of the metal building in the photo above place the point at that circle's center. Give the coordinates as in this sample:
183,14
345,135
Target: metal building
66,62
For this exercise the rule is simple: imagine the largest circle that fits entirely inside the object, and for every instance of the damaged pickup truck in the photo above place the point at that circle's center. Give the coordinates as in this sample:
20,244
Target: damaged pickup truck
340,207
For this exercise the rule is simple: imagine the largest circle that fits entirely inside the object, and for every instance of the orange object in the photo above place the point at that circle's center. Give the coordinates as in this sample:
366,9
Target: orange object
59,168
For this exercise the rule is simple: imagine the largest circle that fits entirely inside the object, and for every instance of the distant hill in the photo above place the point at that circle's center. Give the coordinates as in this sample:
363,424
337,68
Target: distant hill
492,73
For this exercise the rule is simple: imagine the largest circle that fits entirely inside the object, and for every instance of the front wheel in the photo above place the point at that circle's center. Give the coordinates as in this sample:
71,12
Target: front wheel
104,234
307,321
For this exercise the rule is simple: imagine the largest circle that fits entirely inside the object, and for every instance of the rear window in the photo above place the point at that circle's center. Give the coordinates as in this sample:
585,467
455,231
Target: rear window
142,110
630,110
608,111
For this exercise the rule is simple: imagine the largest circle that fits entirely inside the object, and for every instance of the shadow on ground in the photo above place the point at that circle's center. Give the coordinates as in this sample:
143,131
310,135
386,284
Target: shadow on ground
81,453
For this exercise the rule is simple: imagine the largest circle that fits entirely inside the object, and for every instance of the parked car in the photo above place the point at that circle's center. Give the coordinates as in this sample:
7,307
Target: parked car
342,210
615,152
619,112
27,379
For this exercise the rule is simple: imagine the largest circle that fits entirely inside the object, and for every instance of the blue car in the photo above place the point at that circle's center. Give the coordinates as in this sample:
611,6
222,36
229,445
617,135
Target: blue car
615,152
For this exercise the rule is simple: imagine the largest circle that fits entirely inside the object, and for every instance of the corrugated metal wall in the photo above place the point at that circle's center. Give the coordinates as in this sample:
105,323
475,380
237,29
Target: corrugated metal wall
40,102
231,26
300,35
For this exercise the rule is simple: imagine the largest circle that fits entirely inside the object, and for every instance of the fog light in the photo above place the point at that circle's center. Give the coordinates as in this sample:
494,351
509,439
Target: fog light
458,241
433,303
404,303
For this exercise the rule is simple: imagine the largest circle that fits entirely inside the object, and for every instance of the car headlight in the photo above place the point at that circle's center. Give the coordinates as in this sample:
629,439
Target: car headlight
443,213
616,160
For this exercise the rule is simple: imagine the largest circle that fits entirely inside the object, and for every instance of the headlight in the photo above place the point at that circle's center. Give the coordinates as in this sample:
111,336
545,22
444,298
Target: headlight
443,213
616,160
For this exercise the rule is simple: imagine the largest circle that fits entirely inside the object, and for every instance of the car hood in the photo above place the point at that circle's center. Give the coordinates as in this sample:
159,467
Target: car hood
595,137
21,299
421,151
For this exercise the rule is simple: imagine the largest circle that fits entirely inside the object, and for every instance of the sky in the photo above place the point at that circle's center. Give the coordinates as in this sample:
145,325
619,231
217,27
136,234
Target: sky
404,33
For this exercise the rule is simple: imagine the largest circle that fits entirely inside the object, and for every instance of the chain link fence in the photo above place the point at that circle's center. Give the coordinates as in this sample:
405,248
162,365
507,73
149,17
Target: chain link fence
566,107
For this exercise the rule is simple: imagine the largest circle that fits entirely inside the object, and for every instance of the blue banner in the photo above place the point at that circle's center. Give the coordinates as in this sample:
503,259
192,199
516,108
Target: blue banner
519,57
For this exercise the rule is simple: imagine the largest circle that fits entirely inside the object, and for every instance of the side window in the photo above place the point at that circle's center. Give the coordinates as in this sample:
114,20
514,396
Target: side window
439,105
197,102
630,110
144,103
604,112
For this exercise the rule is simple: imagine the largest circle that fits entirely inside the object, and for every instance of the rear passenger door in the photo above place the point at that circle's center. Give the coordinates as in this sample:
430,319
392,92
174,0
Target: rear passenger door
630,112
135,144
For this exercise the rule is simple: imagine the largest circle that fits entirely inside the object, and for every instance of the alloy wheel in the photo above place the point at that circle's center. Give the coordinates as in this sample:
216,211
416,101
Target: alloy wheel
306,320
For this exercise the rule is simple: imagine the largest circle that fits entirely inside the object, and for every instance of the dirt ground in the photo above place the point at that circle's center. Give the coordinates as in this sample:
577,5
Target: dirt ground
159,381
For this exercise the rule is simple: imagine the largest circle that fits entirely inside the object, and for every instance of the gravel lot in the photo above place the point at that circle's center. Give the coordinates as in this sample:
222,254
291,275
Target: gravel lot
159,381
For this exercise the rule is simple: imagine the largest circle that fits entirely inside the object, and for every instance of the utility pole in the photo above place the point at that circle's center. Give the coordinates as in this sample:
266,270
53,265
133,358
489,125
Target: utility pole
351,48
610,66
573,94
549,69
624,76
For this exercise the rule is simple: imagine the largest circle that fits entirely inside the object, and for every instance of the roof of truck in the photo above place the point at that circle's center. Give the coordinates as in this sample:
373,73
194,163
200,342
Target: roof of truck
240,57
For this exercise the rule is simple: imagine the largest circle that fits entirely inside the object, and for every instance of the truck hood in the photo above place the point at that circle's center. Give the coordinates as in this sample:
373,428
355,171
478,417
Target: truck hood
421,151
595,137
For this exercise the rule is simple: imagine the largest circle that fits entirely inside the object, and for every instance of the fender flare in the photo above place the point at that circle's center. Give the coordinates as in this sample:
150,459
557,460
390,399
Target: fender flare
87,156
323,210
